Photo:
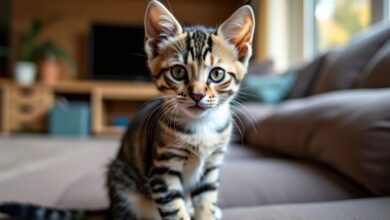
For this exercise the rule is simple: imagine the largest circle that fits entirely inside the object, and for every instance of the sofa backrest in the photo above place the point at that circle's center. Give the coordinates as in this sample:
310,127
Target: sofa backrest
364,63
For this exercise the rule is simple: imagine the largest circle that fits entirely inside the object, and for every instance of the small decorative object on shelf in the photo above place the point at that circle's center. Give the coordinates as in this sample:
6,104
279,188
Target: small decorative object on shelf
25,72
50,58
70,119
47,54
111,105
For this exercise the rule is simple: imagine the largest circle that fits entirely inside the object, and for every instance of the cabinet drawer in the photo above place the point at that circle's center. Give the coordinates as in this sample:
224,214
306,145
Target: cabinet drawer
26,92
25,110
19,101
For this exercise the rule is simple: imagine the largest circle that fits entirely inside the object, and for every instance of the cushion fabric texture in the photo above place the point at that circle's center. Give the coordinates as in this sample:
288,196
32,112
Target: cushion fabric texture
266,180
348,130
306,75
358,209
273,180
377,72
346,67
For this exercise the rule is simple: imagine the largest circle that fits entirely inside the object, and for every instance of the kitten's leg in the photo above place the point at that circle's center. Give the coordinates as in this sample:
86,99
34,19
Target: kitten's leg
121,179
190,207
205,195
166,183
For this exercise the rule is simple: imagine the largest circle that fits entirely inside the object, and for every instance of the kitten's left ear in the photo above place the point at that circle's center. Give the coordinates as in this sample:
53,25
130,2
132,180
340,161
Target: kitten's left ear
238,30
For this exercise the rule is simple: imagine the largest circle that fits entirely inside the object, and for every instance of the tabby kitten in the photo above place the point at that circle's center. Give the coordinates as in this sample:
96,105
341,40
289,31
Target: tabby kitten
168,164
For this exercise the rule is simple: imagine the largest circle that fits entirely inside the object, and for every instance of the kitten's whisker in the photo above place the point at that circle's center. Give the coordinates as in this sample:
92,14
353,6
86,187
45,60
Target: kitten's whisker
156,115
238,130
247,94
237,118
153,99
245,112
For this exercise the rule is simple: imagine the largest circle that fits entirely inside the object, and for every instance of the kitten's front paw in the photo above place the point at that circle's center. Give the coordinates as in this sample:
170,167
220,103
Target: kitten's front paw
213,213
217,213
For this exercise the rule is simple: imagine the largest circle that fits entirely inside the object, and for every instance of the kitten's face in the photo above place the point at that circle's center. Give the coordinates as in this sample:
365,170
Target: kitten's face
201,68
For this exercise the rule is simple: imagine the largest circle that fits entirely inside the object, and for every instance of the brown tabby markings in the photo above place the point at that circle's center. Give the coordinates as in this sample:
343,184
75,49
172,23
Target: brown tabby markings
168,165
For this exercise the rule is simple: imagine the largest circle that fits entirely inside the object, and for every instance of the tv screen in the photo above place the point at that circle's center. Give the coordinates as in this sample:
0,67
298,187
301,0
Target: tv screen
117,53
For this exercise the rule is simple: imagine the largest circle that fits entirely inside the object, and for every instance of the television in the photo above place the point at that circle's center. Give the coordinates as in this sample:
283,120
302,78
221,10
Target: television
116,52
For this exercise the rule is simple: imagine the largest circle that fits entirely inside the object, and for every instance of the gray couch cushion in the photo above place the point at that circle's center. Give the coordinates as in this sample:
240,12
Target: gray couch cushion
262,181
88,191
247,179
348,130
360,209
307,75
377,72
347,66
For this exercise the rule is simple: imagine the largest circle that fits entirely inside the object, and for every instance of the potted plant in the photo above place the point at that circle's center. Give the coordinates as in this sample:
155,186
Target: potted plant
25,69
50,57
47,54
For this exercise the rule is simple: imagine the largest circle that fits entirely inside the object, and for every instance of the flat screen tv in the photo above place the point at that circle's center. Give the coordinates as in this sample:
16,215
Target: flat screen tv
116,52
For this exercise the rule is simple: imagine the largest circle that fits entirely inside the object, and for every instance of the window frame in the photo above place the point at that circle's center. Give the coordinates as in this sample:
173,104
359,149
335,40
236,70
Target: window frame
380,13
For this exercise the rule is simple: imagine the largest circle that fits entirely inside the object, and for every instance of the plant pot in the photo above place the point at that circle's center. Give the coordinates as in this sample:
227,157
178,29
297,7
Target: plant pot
25,72
49,71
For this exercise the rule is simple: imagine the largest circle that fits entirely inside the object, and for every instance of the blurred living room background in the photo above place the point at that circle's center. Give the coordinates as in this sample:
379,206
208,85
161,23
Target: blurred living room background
73,73
78,67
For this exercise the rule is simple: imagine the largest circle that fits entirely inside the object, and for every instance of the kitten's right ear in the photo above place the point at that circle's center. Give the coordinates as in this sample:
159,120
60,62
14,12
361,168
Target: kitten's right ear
160,25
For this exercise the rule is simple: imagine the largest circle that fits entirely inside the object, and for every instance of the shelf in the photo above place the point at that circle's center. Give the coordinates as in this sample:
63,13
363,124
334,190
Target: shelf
111,131
105,96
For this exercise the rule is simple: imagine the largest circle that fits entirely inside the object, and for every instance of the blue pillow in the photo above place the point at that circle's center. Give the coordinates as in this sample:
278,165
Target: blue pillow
270,89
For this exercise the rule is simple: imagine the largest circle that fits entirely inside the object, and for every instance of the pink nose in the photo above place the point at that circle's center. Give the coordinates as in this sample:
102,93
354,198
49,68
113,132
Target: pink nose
196,97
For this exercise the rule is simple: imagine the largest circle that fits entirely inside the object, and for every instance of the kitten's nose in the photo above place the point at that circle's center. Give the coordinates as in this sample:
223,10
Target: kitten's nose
197,97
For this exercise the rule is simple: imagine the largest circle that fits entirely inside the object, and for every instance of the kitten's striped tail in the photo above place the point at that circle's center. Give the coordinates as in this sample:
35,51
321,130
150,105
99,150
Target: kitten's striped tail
35,212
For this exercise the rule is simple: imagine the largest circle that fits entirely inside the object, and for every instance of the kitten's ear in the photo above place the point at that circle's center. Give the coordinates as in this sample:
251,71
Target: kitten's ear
160,25
238,30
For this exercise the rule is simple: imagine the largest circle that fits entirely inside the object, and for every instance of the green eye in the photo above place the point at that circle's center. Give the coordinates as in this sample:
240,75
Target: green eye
217,75
178,72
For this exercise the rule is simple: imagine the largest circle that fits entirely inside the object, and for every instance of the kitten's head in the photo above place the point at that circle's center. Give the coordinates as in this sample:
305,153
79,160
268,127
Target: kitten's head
201,68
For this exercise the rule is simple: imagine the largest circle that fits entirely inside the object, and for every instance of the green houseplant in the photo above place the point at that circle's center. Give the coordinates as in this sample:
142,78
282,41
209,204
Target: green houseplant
50,57
33,52
25,70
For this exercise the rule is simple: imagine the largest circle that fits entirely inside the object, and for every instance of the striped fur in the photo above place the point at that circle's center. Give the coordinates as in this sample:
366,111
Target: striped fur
169,160
168,165
34,212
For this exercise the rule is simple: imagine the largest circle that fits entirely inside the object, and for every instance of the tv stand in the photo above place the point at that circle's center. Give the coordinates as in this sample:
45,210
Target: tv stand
105,98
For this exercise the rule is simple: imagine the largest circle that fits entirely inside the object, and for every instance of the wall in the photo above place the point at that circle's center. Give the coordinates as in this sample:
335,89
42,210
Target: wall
71,28
277,33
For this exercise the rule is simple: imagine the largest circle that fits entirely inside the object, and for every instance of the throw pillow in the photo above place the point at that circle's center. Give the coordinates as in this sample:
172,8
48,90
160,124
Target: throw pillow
347,67
376,74
269,89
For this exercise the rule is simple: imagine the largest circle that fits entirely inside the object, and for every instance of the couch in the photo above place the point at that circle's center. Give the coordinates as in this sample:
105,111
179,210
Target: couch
323,153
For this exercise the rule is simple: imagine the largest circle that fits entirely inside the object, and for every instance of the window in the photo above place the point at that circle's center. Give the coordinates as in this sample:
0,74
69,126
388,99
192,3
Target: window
387,10
299,30
336,21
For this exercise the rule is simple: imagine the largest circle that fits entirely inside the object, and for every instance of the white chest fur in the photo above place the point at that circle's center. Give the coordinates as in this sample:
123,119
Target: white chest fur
206,139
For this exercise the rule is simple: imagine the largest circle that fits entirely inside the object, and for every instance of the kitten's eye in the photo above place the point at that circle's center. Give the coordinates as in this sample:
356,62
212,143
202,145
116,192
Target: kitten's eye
178,72
217,75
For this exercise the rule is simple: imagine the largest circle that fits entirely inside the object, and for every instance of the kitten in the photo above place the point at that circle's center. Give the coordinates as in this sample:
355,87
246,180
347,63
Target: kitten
168,163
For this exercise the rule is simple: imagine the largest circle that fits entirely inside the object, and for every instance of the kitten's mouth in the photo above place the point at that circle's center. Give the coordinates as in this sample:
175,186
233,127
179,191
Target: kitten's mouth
196,108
